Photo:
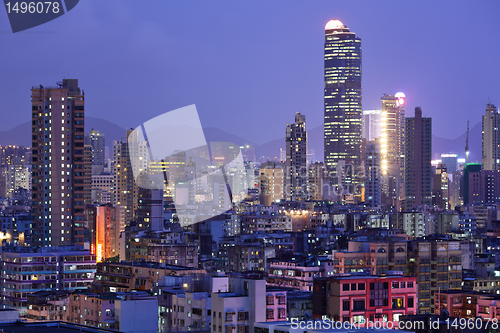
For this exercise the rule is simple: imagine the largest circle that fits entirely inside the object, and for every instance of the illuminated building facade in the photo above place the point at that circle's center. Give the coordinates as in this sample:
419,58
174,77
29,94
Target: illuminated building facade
97,141
270,183
51,269
58,164
372,174
343,113
491,138
392,148
450,161
104,227
418,170
440,188
125,189
372,124
315,175
296,160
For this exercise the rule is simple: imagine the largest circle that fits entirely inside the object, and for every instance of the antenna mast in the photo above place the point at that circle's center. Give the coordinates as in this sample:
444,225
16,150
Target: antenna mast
467,145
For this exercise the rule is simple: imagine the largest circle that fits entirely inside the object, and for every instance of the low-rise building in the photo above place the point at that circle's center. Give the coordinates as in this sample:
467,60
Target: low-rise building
28,270
366,299
126,276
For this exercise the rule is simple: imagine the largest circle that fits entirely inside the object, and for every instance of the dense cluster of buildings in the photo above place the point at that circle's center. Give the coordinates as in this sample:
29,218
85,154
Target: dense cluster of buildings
376,233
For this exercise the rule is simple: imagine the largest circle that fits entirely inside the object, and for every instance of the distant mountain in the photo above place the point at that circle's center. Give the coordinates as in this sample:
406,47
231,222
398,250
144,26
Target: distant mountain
457,145
21,134
213,134
439,145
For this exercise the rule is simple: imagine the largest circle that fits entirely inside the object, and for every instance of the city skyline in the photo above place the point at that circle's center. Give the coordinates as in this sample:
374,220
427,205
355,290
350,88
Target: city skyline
432,76
171,228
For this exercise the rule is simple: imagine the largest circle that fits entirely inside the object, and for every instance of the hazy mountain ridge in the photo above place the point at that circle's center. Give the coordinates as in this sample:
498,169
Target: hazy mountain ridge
21,136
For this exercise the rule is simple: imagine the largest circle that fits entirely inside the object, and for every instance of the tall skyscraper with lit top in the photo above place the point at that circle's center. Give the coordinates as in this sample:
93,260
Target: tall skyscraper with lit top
343,113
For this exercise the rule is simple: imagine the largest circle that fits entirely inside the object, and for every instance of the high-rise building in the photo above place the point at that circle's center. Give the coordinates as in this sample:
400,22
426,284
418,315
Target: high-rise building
469,193
104,228
270,183
440,188
372,174
58,164
125,189
491,138
97,141
428,255
343,111
392,148
87,166
296,160
372,124
316,176
450,162
150,209
418,170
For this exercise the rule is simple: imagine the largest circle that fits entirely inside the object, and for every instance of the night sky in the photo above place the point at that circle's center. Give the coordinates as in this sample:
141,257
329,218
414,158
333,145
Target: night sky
249,66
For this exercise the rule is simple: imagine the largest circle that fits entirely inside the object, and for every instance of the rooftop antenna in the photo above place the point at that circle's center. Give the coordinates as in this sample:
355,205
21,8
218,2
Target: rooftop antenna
467,145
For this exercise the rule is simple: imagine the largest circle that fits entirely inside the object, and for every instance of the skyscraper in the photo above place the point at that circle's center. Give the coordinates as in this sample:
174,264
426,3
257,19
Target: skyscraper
125,189
372,174
491,138
58,164
392,144
418,170
343,112
97,141
296,160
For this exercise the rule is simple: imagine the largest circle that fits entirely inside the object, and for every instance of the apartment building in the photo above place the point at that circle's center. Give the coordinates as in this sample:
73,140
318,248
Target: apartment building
360,299
24,273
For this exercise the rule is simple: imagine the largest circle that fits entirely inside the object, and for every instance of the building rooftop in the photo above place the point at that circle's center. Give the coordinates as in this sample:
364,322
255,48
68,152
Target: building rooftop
50,327
148,265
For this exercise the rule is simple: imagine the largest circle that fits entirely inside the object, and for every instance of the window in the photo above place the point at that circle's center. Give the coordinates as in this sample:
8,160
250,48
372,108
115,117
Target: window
345,305
358,305
270,314
353,286
397,303
410,301
361,286
409,284
395,285
345,287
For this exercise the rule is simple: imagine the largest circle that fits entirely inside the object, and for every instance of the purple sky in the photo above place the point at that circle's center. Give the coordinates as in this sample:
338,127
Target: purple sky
249,66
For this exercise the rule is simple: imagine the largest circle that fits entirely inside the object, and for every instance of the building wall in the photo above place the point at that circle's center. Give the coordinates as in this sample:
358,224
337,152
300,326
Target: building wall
296,160
58,164
342,96
418,171
361,299
128,310
25,273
